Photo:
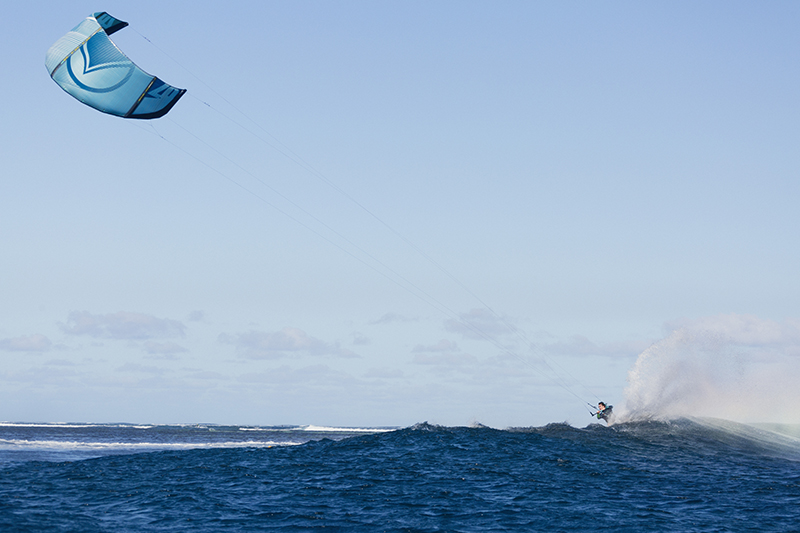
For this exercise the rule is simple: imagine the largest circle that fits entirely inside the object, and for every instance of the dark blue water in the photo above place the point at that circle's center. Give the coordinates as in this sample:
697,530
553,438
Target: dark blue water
646,476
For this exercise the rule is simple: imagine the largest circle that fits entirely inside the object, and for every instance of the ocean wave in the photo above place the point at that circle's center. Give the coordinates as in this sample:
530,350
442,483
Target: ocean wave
707,435
650,475
323,429
98,445
73,425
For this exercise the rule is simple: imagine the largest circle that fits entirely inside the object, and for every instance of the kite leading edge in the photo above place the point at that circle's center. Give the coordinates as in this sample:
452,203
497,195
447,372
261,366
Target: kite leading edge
90,67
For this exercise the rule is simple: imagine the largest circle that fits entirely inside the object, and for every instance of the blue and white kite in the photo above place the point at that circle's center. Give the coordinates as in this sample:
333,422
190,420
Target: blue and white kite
90,67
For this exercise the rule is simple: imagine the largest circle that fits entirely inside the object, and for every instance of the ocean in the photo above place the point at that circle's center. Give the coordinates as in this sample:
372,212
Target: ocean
680,475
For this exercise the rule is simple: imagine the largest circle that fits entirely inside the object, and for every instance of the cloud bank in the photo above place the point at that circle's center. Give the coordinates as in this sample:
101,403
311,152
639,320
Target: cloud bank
123,325
29,343
274,345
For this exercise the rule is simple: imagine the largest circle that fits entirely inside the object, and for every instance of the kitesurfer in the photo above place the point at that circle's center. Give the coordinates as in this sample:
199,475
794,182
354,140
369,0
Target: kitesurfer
603,412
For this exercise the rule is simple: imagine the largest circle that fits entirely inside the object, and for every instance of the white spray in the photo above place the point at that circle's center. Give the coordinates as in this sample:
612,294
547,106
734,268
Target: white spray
736,367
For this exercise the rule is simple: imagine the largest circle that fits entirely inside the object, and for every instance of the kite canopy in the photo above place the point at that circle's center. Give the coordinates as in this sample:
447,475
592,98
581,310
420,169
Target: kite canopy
90,67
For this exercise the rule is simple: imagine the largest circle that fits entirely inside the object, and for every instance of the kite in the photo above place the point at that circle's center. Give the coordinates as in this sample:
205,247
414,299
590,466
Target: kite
90,67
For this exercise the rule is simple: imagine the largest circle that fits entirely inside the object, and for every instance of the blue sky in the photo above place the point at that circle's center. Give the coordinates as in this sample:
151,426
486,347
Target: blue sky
583,183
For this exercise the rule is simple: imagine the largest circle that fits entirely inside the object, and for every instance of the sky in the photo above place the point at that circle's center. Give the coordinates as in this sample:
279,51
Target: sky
378,214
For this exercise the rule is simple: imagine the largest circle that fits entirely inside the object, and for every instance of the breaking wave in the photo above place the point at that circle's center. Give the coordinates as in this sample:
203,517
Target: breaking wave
734,367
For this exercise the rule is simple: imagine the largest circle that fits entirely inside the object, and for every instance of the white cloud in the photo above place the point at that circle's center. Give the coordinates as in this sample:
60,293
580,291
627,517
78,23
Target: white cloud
273,345
123,325
390,318
29,343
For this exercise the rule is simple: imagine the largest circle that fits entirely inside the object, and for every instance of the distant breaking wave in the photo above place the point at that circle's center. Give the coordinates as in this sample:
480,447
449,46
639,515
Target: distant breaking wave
60,441
134,446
